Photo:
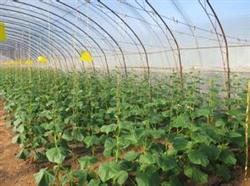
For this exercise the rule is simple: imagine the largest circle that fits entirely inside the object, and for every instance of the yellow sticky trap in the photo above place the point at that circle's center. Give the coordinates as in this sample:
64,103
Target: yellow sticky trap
86,57
3,36
42,59
28,62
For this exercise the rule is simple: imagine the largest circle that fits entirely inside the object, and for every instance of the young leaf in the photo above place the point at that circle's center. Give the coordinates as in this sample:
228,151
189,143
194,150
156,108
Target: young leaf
86,161
205,112
211,151
44,178
198,158
131,155
107,171
147,178
180,121
196,174
108,128
78,134
173,181
55,155
223,172
148,159
90,140
67,135
113,171
109,145
180,143
121,177
23,154
228,157
81,175
167,163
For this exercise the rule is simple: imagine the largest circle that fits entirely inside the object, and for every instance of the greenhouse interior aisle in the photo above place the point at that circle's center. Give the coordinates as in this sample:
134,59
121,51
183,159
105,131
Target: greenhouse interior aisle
13,172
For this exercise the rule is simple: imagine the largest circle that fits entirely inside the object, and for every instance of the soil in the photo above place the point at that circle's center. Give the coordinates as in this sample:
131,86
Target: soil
13,172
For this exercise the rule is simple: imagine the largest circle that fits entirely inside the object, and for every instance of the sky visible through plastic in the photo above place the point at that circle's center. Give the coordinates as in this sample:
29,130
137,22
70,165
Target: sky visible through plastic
60,33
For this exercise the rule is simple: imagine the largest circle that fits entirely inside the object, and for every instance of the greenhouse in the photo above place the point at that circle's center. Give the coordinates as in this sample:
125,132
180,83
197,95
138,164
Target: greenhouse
124,92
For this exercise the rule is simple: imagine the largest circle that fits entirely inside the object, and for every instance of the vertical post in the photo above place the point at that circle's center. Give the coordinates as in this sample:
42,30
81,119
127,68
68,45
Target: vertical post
174,38
246,130
227,51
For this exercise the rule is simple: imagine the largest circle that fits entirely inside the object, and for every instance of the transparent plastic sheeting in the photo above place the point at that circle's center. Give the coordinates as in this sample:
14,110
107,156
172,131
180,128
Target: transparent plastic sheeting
131,34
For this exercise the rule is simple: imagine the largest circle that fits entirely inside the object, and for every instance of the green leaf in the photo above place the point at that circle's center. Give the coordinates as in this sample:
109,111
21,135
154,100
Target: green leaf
23,154
147,178
121,177
155,133
211,151
113,171
181,121
198,158
132,138
180,143
201,137
90,140
86,161
44,178
223,172
17,122
220,123
19,139
167,163
108,128
173,181
107,171
96,182
228,157
20,128
233,134
77,134
55,155
46,114
67,135
131,155
196,175
108,145
147,159
203,112
81,175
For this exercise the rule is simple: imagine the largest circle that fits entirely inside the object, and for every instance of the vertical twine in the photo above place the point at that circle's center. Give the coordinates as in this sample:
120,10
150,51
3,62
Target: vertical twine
246,130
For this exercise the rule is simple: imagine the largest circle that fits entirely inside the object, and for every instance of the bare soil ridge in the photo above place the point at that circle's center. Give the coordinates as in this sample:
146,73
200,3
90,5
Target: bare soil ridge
13,172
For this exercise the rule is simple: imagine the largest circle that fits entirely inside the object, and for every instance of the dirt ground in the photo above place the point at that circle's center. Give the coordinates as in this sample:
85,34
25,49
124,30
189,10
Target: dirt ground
13,172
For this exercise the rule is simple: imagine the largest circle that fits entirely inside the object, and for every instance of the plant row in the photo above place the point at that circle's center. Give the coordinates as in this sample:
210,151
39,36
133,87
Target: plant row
92,129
